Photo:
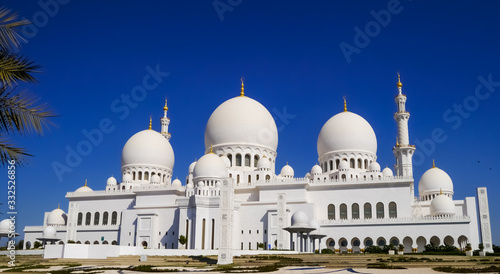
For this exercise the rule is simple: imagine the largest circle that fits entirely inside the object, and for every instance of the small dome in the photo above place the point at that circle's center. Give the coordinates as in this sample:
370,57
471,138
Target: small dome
191,167
49,232
308,175
176,183
127,178
111,181
316,170
374,167
201,184
434,181
226,160
241,120
387,172
264,164
300,218
189,185
155,179
210,166
5,226
343,165
442,205
148,147
217,184
347,131
287,171
84,188
57,217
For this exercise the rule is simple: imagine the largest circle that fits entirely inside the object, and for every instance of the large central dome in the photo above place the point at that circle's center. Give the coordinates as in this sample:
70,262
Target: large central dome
347,131
148,148
240,121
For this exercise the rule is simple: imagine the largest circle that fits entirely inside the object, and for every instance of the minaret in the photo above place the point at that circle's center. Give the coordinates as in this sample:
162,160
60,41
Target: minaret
403,151
165,121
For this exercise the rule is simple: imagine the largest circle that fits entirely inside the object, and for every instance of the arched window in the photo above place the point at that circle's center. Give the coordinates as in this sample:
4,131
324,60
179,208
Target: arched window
331,165
140,175
80,219
331,212
105,218
255,161
87,218
337,163
366,163
380,210
360,163
146,175
247,159
393,211
343,176
238,159
114,217
249,179
114,243
368,211
87,242
355,211
133,175
268,177
105,242
351,162
343,211
257,177
96,242
96,218
238,179
230,157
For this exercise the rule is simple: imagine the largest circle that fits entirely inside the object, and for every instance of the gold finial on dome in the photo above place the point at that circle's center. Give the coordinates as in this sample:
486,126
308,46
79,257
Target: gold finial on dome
211,149
150,121
85,182
397,141
433,164
58,206
165,108
345,105
242,93
399,81
440,191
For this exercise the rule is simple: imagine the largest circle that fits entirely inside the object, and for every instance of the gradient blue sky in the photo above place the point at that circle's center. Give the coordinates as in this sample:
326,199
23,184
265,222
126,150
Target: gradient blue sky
92,52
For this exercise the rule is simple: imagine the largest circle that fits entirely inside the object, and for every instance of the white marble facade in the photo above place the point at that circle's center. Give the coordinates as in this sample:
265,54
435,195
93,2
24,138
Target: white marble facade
346,202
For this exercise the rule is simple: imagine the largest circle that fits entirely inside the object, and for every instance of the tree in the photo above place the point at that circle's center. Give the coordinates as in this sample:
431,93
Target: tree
20,244
37,244
19,112
182,240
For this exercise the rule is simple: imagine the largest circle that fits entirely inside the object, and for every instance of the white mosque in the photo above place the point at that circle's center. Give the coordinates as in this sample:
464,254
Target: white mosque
346,203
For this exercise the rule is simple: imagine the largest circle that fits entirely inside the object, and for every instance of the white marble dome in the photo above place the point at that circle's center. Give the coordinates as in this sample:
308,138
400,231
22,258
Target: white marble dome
287,171
343,165
210,166
111,181
127,178
226,160
155,179
241,120
148,148
56,217
300,219
191,167
347,131
84,188
5,226
433,181
264,164
442,205
201,184
316,170
177,183
49,232
387,172
374,167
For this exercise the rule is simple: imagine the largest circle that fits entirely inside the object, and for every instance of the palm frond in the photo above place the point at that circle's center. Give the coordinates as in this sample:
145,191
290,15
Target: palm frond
19,113
9,37
15,68
10,152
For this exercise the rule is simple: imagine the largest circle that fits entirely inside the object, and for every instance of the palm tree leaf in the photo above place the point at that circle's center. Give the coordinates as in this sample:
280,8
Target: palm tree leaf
14,69
19,113
9,37
10,152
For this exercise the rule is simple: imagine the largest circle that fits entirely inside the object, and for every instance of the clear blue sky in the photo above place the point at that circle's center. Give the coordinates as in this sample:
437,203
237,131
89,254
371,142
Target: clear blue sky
93,52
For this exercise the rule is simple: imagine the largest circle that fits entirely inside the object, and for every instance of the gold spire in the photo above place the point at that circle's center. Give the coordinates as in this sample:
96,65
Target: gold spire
440,191
85,182
399,81
345,105
165,108
433,163
211,150
242,93
150,121
397,141
58,206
